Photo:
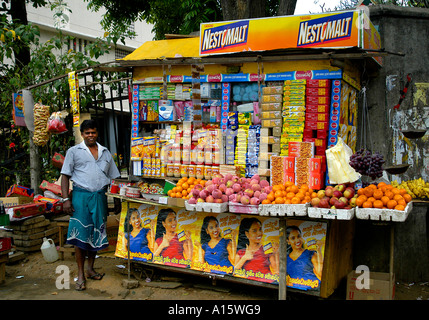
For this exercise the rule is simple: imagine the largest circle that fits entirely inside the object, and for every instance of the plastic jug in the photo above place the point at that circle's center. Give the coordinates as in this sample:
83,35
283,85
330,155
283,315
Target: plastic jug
49,251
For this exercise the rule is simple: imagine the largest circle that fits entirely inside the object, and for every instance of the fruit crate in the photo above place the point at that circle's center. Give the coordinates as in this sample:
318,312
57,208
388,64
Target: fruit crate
384,214
243,208
281,210
207,207
328,213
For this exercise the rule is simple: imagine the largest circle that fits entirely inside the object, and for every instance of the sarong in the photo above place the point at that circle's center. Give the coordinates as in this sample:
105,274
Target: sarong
87,226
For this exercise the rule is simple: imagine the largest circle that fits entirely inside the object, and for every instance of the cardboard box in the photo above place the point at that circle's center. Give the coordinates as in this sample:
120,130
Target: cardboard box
112,227
381,287
177,202
26,210
57,160
17,190
53,187
15,201
322,108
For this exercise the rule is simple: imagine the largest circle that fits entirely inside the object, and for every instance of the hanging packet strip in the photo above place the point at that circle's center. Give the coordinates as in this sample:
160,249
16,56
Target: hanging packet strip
74,97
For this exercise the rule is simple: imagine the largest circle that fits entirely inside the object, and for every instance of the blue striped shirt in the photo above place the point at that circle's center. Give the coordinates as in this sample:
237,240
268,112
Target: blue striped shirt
85,171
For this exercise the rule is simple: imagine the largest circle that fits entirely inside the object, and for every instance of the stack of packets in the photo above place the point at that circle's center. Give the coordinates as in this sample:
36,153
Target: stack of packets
293,113
300,167
145,154
318,94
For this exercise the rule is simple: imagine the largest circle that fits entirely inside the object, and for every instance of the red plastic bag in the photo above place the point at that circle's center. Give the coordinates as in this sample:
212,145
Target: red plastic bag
56,123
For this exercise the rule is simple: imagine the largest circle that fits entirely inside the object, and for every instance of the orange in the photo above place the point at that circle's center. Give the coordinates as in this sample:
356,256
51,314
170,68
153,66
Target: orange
395,190
385,199
295,200
400,207
280,200
169,192
407,197
360,201
368,191
300,195
364,197
203,183
313,195
367,204
191,180
389,186
178,194
377,194
266,201
288,183
270,196
278,194
381,184
173,194
360,191
284,193
402,202
184,193
402,191
287,201
389,194
391,204
179,189
290,195
185,185
294,189
307,199
397,197
378,204
174,189
372,199
304,187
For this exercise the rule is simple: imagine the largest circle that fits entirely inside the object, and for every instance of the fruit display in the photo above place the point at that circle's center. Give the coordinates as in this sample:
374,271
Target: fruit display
231,188
382,196
417,188
289,193
184,187
367,163
341,196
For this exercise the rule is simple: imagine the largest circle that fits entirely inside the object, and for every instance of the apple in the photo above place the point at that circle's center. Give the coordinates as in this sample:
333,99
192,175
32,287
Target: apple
345,200
349,193
339,204
329,191
352,202
323,203
338,194
315,202
320,194
333,200
341,187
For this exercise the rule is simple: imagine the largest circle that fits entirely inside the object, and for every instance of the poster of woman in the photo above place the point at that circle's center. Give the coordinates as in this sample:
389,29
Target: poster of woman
305,253
173,243
257,255
137,226
217,246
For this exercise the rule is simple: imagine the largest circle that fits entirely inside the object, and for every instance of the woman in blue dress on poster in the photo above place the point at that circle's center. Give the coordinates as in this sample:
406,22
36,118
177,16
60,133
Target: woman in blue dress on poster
304,266
141,239
215,250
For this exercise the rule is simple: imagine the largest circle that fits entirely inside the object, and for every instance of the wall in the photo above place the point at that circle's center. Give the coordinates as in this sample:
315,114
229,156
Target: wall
404,30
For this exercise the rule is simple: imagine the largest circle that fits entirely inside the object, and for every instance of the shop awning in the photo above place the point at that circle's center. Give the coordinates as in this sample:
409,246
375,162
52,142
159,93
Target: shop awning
165,49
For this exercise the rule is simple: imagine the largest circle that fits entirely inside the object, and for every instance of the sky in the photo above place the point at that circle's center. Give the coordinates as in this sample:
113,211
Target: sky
313,6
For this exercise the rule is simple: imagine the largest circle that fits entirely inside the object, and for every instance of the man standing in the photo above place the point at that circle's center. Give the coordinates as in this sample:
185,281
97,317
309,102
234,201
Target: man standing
91,168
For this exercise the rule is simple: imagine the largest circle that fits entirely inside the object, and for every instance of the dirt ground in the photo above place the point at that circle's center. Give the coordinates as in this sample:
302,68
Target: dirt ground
34,279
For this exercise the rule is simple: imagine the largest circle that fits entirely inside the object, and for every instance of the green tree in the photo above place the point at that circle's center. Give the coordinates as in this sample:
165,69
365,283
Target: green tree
184,17
46,61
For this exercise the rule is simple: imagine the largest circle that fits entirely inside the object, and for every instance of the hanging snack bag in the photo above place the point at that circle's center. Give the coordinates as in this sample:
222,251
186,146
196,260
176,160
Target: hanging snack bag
41,116
56,123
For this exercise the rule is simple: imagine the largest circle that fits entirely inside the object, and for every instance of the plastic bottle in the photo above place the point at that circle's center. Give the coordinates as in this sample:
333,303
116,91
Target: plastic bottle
49,251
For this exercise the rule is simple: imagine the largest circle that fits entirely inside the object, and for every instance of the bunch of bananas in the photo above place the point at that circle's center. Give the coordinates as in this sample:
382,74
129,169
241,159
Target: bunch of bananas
417,188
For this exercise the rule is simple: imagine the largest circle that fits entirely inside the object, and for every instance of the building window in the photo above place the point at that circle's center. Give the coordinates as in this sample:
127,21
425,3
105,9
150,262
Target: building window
119,53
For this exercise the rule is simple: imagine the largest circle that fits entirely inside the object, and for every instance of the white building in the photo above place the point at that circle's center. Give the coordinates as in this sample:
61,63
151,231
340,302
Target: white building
84,26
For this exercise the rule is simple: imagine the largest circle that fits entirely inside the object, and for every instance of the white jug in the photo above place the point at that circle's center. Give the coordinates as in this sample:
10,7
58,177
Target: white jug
49,251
